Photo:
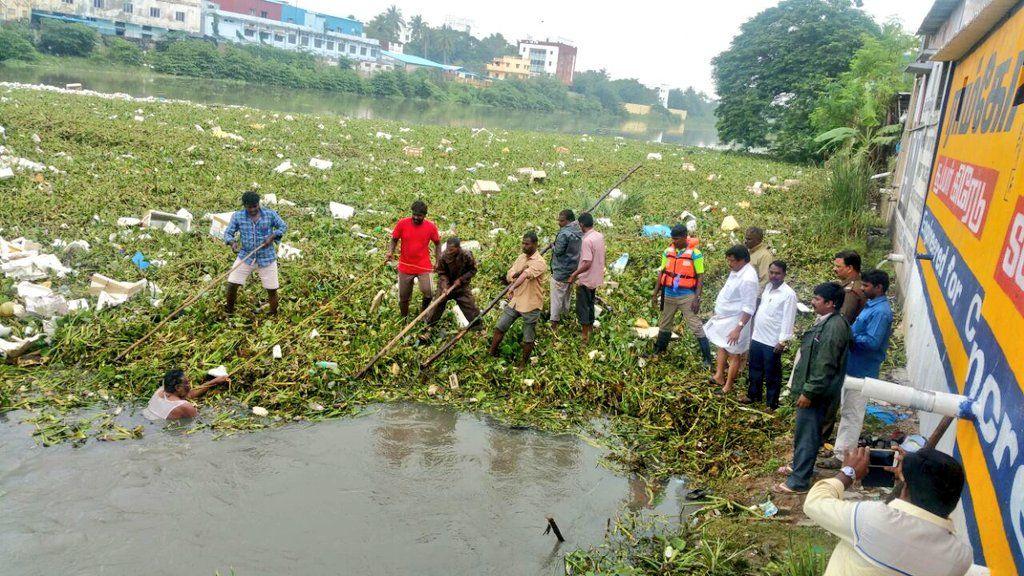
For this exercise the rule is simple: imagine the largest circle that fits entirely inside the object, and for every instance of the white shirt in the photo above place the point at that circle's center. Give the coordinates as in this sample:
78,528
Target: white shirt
776,315
878,539
739,294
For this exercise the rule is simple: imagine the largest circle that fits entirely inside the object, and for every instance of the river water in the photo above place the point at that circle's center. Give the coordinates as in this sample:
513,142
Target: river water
142,84
404,489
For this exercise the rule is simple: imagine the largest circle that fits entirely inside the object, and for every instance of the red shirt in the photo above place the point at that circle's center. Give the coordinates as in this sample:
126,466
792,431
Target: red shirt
414,255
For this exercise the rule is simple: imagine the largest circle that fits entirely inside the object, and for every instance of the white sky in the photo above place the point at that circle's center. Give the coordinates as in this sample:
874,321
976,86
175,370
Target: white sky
656,42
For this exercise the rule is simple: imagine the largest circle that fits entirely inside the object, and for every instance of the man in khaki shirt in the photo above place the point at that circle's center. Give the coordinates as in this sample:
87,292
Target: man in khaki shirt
526,276
911,535
761,257
847,269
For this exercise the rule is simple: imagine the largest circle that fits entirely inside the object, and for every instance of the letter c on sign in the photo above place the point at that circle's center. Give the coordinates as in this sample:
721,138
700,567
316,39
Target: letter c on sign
973,315
987,425
1017,506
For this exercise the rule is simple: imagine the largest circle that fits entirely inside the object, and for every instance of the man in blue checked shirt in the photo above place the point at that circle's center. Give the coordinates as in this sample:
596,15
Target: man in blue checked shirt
868,344
257,229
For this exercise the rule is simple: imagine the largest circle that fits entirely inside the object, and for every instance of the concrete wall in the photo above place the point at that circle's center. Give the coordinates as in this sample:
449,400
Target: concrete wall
961,200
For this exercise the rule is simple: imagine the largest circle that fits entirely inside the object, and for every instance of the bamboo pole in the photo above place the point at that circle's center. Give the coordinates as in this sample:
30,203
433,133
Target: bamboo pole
437,301
305,321
462,333
189,301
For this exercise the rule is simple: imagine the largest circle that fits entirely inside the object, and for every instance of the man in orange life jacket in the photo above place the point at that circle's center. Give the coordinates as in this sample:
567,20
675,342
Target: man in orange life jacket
679,288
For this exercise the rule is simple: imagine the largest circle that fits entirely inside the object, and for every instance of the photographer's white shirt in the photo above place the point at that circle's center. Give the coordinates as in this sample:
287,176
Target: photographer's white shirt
883,539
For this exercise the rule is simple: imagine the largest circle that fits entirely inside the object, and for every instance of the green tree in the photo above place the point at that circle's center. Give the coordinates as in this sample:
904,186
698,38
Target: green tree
64,39
770,77
696,104
384,84
121,51
14,46
862,95
387,25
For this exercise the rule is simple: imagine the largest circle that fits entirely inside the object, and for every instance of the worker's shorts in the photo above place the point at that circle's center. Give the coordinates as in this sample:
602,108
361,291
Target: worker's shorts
242,271
510,314
666,323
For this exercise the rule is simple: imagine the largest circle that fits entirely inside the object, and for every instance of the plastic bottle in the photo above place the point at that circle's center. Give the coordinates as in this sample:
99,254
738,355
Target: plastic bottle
620,265
332,366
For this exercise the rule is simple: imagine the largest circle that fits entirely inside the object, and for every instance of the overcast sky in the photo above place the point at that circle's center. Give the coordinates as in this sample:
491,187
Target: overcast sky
656,42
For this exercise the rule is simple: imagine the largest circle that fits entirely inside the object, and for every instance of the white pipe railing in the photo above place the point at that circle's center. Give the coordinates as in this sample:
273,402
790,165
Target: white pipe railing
942,403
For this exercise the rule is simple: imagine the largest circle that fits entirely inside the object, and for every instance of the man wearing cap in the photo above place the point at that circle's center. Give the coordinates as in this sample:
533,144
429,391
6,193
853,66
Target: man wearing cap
679,289
910,535
252,233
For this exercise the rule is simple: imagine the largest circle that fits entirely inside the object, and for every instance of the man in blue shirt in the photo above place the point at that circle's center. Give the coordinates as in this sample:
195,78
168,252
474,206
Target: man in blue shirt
257,229
868,345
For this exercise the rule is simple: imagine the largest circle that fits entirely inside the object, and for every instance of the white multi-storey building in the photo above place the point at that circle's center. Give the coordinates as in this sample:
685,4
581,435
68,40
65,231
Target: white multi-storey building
242,28
143,19
554,58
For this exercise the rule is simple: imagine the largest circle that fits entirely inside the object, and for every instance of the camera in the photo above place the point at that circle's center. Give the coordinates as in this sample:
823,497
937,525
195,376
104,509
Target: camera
878,476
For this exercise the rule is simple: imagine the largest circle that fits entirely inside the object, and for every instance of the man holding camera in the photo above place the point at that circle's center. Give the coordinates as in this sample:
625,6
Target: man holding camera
910,535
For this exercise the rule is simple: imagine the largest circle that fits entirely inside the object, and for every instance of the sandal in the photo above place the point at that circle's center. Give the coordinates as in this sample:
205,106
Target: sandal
781,488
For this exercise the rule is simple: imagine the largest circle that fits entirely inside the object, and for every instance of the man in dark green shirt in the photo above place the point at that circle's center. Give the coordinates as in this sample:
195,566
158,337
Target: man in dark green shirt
817,379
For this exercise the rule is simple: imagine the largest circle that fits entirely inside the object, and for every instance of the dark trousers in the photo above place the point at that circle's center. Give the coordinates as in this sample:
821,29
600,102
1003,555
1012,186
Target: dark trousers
765,371
831,424
585,299
463,297
806,441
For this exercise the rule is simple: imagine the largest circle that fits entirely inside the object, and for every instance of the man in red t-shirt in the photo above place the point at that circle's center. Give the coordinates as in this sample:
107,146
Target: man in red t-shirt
416,234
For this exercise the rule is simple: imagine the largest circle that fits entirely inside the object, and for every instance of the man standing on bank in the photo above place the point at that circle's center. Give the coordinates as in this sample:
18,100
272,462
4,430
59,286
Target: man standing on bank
526,277
565,257
456,267
729,328
679,289
773,329
868,345
589,273
761,256
257,229
817,379
415,233
847,269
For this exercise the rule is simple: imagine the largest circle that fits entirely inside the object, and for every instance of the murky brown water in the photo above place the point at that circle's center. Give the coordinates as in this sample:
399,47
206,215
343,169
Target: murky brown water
406,489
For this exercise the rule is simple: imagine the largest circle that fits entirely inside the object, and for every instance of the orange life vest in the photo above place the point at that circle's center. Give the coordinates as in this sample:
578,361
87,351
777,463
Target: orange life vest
679,271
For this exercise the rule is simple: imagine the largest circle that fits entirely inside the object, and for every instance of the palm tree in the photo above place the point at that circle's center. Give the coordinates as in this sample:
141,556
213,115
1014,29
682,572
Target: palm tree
387,25
445,43
416,26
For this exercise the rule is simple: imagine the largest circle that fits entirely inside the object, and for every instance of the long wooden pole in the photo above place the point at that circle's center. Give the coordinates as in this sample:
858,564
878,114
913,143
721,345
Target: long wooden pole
437,302
305,321
189,301
462,333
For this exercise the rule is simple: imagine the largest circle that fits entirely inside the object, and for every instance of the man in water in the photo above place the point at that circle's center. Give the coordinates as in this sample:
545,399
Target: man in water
172,400
257,229
415,233
526,277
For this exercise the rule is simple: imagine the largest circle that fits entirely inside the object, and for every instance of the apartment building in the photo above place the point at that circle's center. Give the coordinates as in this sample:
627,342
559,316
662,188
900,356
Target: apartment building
140,19
555,58
509,68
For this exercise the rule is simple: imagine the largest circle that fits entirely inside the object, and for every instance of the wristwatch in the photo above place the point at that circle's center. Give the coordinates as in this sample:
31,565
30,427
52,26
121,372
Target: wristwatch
849,471
742,324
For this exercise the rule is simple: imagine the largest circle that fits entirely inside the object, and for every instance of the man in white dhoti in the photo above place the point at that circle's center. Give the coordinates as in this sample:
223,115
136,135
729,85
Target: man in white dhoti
729,329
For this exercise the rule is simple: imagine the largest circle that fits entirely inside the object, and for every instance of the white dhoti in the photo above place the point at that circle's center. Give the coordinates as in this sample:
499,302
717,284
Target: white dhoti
717,330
